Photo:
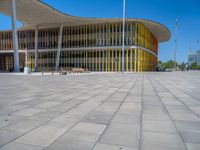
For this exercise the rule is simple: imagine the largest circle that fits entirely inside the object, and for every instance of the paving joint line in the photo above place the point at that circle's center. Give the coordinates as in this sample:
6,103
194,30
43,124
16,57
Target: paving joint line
178,133
141,115
116,113
178,99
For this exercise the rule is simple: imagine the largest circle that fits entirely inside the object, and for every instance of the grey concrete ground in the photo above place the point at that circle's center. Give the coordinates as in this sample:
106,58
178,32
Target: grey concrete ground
143,111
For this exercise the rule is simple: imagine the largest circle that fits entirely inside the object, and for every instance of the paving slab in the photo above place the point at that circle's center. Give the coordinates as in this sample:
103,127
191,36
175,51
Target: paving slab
159,126
75,140
24,125
20,146
28,112
192,146
45,134
121,134
47,105
164,141
191,137
8,136
112,147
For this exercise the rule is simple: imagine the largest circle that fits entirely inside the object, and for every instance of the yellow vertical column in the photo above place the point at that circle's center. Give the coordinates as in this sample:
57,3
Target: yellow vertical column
142,52
116,35
102,52
100,44
96,52
75,58
115,60
106,51
120,58
127,60
112,60
149,62
108,56
135,60
33,62
143,60
109,44
135,43
138,25
84,38
86,44
149,65
93,44
100,61
92,66
152,62
146,61
138,60
96,31
138,51
89,51
120,43
144,45
131,50
131,58
66,58
87,63
30,61
113,29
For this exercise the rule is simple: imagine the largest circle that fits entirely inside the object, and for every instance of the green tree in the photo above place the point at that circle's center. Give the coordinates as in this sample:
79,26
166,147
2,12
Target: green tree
194,66
182,66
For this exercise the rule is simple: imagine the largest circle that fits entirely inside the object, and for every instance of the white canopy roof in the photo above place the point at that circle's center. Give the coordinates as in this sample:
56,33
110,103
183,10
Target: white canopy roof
34,12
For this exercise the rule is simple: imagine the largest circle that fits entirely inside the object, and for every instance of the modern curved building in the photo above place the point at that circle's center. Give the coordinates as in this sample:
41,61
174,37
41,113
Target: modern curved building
54,39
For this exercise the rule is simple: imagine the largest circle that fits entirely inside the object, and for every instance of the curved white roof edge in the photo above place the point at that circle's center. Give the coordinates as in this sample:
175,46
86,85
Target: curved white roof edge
34,12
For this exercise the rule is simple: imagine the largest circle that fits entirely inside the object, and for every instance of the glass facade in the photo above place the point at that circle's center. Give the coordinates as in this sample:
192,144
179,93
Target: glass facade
96,47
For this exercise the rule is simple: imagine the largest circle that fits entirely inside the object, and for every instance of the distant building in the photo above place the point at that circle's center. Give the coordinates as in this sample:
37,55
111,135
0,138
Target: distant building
198,57
194,57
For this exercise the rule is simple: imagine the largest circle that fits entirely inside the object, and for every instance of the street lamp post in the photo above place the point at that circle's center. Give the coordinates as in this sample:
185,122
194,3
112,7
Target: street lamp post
175,42
124,16
15,39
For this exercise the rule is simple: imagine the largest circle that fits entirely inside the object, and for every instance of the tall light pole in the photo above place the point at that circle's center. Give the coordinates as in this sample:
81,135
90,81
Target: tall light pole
175,41
15,39
123,47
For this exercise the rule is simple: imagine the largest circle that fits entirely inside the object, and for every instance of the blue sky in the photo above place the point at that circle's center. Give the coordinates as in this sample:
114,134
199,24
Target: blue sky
162,11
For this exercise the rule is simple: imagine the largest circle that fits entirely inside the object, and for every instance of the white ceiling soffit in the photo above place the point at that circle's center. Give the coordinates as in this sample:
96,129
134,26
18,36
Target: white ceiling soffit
34,12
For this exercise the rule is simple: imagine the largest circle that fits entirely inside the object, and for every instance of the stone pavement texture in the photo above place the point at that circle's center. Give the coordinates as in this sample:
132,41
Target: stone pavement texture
108,111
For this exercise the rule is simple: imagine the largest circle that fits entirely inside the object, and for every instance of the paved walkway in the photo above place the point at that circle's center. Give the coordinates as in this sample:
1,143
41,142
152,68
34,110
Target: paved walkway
143,111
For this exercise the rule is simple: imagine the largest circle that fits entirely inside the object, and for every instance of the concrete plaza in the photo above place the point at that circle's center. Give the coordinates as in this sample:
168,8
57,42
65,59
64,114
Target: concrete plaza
105,111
